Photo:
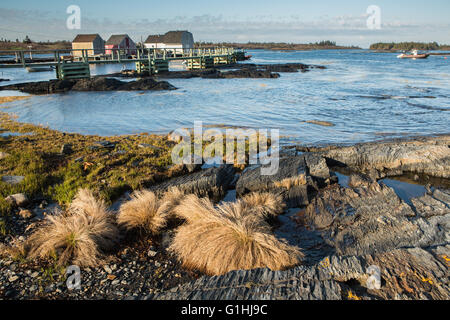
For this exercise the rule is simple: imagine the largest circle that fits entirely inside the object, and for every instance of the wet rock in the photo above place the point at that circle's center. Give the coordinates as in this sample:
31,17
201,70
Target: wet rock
429,156
13,180
19,199
92,84
3,80
213,182
244,73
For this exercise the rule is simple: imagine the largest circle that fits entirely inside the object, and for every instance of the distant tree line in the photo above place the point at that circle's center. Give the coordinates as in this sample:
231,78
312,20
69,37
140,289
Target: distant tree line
407,46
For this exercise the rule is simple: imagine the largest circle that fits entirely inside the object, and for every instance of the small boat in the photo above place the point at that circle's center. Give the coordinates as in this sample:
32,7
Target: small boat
414,55
39,69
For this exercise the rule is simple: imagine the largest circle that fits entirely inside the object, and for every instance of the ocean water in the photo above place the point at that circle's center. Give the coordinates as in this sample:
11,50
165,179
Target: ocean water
366,96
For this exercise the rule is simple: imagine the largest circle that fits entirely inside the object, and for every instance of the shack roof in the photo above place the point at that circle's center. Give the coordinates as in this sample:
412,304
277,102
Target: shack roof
116,39
169,37
86,38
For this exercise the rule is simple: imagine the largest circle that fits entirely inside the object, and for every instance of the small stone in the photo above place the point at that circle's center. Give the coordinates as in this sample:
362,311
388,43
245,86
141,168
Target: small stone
19,199
79,160
115,282
13,180
3,155
107,269
25,214
157,264
66,149
152,253
111,277
35,274
13,278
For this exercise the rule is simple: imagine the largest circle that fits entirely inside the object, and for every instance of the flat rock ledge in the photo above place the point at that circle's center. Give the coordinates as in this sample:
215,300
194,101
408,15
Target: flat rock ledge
93,84
429,156
335,278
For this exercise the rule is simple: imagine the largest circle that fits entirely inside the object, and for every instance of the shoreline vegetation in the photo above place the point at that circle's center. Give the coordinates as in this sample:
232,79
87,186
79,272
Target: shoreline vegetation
408,46
147,224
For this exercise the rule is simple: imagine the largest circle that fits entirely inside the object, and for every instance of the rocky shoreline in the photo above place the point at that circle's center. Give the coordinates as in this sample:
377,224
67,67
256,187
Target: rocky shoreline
146,83
93,84
342,230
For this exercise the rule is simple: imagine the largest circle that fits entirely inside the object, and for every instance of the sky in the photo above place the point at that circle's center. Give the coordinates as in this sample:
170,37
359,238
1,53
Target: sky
293,21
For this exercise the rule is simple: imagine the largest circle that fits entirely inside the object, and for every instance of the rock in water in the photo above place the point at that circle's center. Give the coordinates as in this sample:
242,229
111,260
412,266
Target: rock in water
92,84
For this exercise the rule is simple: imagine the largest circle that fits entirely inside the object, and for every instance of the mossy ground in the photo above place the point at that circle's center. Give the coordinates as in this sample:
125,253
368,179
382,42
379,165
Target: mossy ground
56,177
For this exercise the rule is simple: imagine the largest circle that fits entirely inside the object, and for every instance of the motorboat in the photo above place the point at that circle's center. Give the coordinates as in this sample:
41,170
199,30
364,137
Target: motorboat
414,55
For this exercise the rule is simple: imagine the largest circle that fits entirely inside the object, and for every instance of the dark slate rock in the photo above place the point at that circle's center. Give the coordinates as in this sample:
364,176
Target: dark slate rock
213,182
251,180
92,84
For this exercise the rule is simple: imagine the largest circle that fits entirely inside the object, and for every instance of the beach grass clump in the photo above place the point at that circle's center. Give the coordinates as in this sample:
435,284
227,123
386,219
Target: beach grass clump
266,204
291,182
147,212
142,212
230,236
80,236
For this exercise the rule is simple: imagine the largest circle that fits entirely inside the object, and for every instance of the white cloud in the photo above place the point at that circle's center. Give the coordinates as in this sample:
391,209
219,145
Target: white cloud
345,29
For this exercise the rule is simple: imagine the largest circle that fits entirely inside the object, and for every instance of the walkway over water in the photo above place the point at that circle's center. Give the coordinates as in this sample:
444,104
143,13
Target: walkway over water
74,64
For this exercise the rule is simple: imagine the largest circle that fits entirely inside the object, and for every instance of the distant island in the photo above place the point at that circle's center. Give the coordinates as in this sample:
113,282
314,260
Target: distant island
407,46
278,45
27,43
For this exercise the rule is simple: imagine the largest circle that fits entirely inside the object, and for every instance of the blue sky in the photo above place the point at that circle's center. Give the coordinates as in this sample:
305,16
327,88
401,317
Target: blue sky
239,20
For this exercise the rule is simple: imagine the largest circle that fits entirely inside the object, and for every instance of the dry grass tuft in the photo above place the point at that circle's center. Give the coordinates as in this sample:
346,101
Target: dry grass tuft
266,204
217,240
80,236
193,209
171,199
142,212
288,183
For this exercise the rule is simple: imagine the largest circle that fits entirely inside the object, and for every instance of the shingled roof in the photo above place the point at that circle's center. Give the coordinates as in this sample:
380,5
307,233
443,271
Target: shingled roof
116,39
169,37
155,39
86,37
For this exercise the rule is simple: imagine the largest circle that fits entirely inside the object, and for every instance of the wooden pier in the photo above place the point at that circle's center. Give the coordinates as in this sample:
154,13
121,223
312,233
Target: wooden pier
151,61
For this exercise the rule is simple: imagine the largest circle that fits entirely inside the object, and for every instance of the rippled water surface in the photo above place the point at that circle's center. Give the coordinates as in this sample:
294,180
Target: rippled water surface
367,96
